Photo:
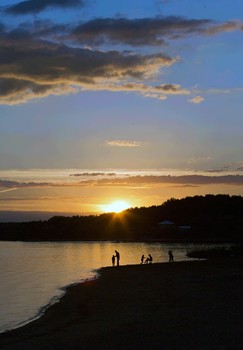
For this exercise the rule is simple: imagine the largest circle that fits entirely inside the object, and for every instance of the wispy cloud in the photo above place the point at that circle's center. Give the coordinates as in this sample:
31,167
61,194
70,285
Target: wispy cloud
196,99
228,26
8,190
218,91
235,167
199,159
160,92
94,174
123,143
36,6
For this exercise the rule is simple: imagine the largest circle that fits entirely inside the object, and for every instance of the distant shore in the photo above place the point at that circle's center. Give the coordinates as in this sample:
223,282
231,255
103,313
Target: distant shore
180,305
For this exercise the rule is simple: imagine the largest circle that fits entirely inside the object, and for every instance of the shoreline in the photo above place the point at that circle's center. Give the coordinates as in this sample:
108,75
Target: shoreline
54,300
178,305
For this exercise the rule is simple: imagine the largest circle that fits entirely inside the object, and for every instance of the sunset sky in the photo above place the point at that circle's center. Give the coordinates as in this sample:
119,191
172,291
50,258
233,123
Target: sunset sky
103,100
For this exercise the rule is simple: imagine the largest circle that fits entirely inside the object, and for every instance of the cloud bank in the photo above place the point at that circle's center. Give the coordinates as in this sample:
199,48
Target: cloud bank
42,68
42,58
184,180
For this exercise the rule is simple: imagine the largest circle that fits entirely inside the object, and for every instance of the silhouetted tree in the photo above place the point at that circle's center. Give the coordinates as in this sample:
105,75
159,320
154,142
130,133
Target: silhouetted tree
211,217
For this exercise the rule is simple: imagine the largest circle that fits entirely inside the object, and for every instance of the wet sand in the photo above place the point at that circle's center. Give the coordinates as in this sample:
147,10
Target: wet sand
186,305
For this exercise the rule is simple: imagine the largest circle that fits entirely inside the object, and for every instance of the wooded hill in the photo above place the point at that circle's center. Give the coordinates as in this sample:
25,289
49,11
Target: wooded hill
211,218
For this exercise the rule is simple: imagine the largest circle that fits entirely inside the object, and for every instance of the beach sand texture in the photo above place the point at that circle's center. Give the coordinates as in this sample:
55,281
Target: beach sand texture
186,305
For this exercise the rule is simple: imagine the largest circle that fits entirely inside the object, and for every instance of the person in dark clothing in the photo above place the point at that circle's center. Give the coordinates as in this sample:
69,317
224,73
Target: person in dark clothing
142,258
171,256
113,260
117,255
149,259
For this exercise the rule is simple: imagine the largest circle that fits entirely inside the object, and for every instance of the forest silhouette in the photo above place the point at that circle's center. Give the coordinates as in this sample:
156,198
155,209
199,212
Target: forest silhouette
211,218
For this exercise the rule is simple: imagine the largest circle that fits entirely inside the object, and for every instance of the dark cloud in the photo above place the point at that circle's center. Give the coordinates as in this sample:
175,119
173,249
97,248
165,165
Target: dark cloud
139,32
220,170
15,184
36,6
31,67
147,31
41,58
184,180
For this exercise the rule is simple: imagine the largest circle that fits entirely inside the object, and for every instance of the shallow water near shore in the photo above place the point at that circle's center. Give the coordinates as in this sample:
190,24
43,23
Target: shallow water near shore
34,274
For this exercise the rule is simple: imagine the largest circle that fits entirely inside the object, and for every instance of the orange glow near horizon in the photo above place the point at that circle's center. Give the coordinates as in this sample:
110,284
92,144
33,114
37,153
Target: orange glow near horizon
97,199
115,207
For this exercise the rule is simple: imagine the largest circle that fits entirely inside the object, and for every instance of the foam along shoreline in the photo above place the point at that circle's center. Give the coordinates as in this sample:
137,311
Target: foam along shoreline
185,305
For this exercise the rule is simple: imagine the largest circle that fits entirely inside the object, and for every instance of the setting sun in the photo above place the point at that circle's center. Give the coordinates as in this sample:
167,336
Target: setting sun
116,207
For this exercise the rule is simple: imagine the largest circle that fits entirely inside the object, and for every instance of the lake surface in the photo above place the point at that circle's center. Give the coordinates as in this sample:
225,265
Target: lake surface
34,275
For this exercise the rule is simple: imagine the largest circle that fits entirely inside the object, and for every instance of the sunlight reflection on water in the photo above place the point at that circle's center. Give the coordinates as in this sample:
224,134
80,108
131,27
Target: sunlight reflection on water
32,273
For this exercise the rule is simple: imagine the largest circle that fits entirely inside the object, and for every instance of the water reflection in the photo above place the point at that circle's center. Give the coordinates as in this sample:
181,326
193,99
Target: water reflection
32,273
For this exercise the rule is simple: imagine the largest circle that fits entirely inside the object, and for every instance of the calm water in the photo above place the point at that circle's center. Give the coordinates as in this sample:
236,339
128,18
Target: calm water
33,275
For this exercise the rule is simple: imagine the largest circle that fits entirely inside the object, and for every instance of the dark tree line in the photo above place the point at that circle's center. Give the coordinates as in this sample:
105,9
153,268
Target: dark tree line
211,217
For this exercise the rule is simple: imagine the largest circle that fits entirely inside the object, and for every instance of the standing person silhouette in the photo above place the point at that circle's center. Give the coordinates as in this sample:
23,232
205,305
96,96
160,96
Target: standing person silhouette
171,256
142,258
117,255
113,260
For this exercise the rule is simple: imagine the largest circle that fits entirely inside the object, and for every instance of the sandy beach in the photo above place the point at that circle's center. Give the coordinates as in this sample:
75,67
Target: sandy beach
185,305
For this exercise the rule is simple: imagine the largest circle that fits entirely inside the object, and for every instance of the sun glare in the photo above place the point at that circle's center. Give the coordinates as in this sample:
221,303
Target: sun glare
116,207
